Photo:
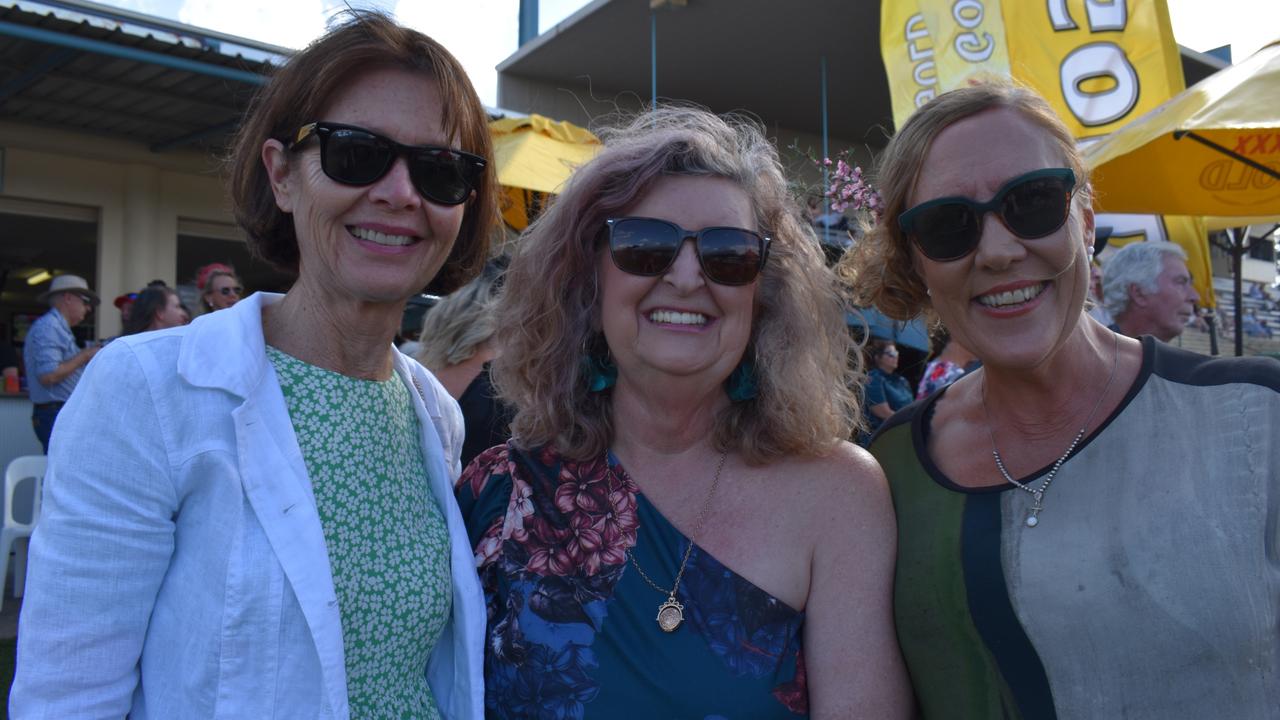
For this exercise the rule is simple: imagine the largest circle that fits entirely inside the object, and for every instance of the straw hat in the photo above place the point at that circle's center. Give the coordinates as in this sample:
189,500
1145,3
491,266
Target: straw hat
69,283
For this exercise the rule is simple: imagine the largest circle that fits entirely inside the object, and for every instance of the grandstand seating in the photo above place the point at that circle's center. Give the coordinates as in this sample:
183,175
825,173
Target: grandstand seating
1223,289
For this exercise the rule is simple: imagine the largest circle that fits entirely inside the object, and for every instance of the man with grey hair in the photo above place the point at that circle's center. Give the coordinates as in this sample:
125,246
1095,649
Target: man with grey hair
54,359
1147,288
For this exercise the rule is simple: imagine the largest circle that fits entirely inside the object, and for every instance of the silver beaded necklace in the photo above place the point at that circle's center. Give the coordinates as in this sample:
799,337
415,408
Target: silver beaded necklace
1033,519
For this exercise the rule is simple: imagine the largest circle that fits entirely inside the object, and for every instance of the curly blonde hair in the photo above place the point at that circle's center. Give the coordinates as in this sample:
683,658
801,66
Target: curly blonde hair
549,315
880,268
459,323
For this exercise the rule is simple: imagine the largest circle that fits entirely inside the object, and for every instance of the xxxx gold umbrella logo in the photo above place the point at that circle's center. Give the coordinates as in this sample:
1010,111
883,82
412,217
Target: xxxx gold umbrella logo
1229,177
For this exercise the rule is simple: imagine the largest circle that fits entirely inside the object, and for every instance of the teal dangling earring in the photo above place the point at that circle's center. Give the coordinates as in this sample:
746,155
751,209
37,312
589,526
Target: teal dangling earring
742,384
600,371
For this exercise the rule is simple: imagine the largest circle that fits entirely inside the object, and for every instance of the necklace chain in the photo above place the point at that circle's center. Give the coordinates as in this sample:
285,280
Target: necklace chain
1034,518
670,613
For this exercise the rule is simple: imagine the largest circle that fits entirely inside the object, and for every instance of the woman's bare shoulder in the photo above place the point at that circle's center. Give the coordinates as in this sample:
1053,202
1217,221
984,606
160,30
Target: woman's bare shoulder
844,481
842,464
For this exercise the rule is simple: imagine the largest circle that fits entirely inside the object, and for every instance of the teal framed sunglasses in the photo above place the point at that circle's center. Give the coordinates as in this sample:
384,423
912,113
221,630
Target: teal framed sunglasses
1031,205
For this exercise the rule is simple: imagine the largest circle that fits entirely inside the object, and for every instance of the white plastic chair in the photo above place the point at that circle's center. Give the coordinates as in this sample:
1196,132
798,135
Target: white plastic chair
21,468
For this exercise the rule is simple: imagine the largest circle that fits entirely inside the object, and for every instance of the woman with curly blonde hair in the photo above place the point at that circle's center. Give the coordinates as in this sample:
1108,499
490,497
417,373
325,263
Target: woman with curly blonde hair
677,528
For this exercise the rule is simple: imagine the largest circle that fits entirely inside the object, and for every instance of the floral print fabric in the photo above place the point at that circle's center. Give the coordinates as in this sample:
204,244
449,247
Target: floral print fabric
572,627
938,374
388,542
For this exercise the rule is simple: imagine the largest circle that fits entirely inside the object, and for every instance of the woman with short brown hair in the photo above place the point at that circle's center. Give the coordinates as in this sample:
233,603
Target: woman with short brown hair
255,517
294,99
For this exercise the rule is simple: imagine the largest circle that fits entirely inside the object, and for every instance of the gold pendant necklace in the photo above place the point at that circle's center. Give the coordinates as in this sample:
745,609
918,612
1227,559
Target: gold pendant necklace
671,612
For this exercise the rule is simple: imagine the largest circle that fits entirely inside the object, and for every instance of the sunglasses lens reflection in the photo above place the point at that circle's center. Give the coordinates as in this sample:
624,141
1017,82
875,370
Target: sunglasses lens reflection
1036,207
1030,208
356,158
644,247
353,156
729,256
440,176
947,232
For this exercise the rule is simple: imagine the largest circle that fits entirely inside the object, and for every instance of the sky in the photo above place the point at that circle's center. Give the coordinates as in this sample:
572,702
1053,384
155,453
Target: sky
482,33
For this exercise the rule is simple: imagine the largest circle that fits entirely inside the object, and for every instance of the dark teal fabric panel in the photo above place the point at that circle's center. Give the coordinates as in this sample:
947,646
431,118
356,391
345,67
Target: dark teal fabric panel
992,612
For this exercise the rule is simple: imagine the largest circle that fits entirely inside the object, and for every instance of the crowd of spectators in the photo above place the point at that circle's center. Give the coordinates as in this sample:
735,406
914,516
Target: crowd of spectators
300,519
53,359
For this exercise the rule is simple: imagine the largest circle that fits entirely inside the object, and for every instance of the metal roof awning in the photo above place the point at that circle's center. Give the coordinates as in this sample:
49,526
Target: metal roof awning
763,56
81,66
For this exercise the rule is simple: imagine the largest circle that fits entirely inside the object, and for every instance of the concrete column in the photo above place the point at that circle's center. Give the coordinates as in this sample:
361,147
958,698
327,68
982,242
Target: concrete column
142,222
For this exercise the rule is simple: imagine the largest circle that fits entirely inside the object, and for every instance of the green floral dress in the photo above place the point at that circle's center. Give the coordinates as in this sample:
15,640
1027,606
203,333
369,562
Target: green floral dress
388,541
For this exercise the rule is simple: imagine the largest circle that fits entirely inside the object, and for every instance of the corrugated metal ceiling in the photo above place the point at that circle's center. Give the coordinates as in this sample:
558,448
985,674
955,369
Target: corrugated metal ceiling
56,71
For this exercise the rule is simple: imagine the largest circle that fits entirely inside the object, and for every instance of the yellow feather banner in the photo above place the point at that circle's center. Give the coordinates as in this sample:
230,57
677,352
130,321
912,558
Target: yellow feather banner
1099,64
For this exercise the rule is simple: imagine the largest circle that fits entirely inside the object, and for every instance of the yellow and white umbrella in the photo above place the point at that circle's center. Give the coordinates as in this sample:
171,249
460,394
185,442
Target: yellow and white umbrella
1211,150
534,156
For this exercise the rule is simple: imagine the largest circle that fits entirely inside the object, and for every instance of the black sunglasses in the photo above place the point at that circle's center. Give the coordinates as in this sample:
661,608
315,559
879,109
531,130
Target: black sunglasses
355,156
236,290
1031,206
648,246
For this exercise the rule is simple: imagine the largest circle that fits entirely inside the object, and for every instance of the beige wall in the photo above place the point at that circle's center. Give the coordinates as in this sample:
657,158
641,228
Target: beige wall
139,197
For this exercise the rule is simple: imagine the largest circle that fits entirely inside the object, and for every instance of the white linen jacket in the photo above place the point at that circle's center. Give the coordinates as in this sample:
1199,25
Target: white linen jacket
179,568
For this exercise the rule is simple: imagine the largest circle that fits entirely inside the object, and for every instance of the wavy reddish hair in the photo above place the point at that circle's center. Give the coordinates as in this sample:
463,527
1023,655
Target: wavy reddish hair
549,313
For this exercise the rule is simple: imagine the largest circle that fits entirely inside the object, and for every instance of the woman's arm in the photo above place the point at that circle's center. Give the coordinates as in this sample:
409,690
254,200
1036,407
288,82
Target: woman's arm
875,398
100,549
881,410
854,666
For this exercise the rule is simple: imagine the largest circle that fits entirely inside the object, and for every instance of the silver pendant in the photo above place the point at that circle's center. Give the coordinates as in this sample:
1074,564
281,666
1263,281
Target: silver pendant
670,614
1034,518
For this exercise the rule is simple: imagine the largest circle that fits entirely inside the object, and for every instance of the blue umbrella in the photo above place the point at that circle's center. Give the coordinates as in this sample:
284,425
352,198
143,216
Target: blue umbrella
873,323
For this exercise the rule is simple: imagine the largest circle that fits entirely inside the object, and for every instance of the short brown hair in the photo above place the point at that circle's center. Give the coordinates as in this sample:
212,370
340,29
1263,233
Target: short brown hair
549,311
880,268
299,91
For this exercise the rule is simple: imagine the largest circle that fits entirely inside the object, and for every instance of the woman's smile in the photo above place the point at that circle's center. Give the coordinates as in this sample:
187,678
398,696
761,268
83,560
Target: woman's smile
383,239
1012,299
680,323
679,320
1006,276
